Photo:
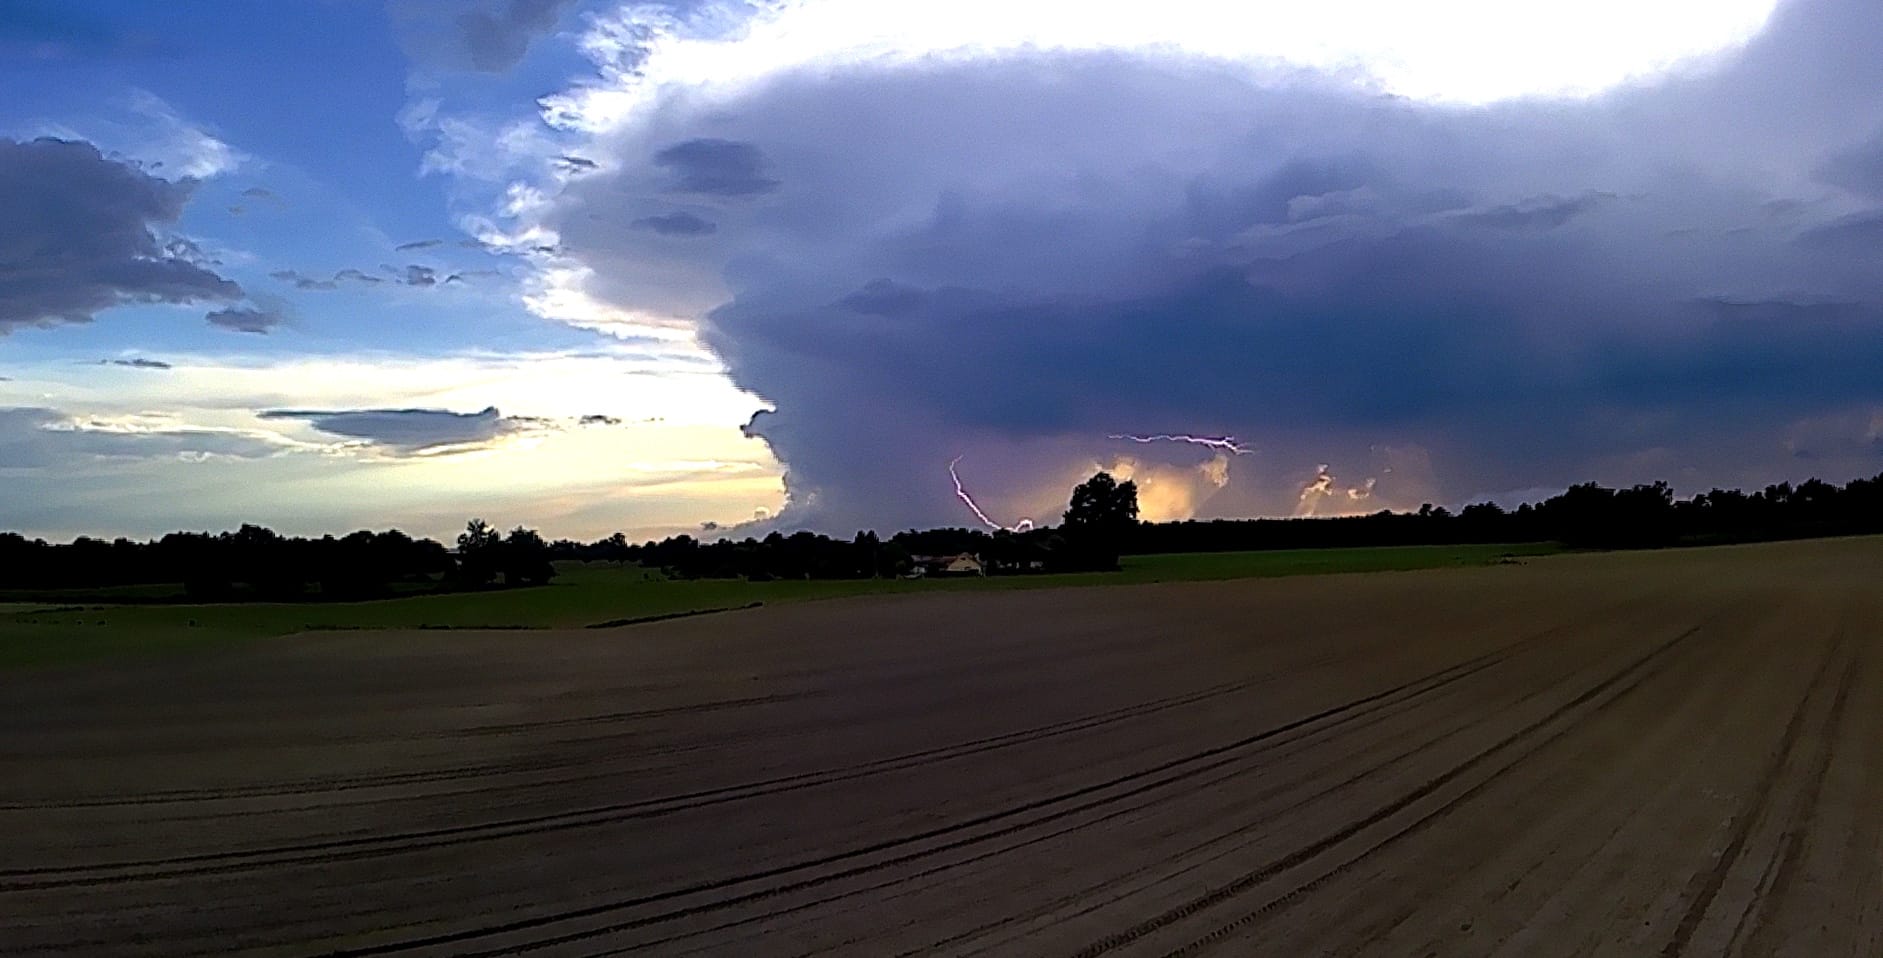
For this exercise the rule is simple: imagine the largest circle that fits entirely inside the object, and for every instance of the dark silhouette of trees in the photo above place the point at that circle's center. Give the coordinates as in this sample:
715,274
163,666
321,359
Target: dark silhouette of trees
525,558
249,563
256,563
521,558
1103,504
1100,524
480,554
1100,519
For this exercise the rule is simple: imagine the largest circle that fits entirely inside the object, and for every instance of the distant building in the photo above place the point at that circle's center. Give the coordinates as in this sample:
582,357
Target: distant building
954,565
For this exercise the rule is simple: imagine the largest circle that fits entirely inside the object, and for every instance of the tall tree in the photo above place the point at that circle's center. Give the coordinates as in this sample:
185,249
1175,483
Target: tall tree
480,553
1099,519
1103,504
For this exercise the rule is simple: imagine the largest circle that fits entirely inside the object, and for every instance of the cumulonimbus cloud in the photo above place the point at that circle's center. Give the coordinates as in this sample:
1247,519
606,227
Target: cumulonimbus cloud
1029,251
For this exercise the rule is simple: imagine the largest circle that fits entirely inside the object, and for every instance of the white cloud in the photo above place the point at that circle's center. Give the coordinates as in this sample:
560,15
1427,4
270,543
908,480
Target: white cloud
181,147
662,450
1470,51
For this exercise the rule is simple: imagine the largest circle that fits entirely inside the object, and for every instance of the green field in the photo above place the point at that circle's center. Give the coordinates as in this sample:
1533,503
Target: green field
585,595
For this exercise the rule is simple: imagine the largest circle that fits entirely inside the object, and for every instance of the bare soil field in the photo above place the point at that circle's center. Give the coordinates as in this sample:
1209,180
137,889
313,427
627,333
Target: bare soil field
1645,754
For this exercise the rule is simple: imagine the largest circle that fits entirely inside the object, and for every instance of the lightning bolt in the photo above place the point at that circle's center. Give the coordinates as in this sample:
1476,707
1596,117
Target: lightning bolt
1225,443
961,492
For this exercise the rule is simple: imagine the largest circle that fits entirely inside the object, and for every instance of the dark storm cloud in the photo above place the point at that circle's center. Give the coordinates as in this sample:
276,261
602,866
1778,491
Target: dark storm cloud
1508,297
1858,231
714,167
412,430
676,224
884,297
247,319
1859,169
79,234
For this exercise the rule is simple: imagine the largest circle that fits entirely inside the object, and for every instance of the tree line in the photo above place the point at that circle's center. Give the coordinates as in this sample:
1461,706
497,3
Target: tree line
258,563
1099,525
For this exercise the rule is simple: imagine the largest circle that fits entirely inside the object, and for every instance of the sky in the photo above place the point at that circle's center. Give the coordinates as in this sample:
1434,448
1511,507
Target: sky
728,266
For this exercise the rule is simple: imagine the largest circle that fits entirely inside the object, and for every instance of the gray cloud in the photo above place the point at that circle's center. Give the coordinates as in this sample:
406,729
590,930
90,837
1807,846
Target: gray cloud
412,275
419,244
1858,169
1540,213
576,164
79,234
676,224
303,281
1511,297
497,35
882,297
715,167
135,363
1856,231
40,438
489,36
247,319
413,430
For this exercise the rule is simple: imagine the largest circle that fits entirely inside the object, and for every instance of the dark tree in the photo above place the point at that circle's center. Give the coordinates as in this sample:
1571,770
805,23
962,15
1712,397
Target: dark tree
1103,504
526,558
1100,520
480,553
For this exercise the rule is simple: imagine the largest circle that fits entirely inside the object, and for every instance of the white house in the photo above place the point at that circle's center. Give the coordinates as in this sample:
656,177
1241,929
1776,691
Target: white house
964,564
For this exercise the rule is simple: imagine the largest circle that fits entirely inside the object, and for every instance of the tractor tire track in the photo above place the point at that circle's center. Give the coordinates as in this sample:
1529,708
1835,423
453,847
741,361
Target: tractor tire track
1302,855
1419,686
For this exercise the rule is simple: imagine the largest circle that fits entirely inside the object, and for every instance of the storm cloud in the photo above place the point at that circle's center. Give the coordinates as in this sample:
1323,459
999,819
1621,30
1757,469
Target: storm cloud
1431,302
676,224
81,232
714,167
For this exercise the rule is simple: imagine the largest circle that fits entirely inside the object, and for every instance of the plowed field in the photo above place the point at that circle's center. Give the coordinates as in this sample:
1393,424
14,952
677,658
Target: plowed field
1646,754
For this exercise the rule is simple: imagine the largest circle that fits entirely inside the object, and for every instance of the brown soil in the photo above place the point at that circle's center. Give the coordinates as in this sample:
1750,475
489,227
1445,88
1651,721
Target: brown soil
1652,754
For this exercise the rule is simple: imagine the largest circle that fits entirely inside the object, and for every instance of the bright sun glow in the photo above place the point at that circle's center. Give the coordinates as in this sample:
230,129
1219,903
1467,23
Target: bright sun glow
1466,51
